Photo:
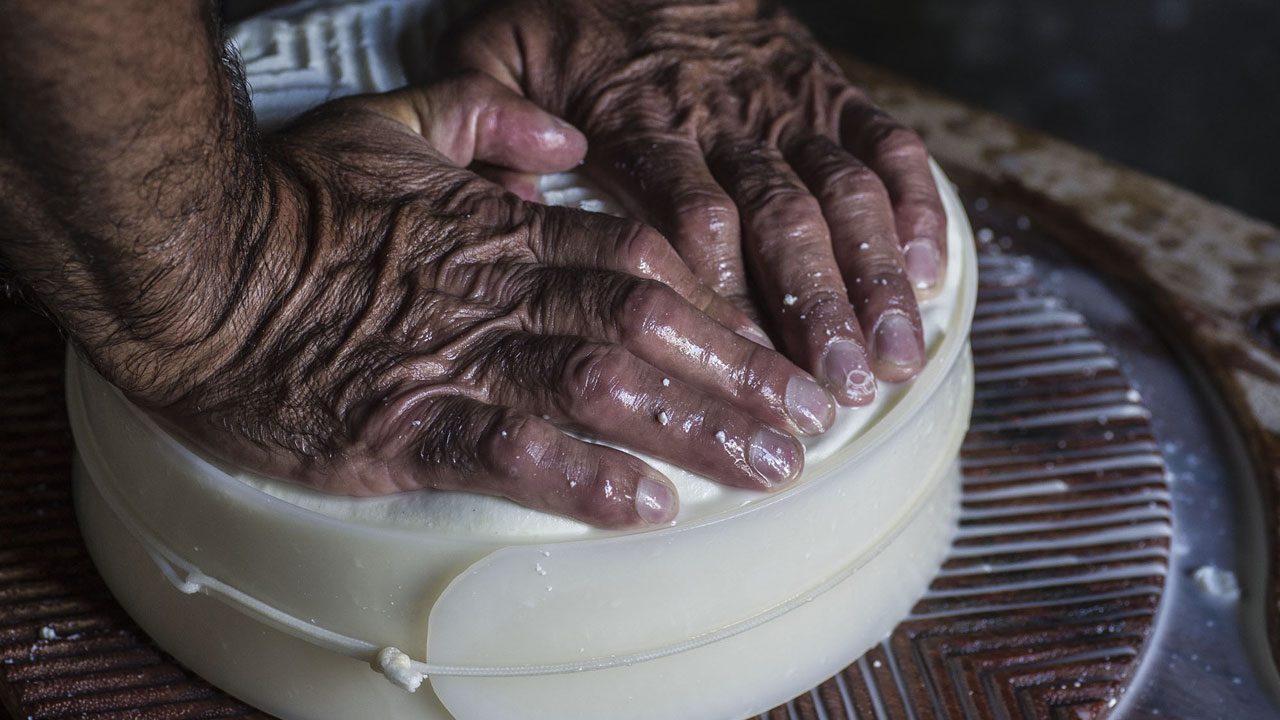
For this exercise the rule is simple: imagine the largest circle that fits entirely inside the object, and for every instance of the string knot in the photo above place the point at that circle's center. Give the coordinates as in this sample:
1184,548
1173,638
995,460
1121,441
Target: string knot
398,668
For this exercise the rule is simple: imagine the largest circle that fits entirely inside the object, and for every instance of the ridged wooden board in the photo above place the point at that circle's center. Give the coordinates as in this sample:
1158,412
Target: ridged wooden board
1044,606
1208,275
1041,611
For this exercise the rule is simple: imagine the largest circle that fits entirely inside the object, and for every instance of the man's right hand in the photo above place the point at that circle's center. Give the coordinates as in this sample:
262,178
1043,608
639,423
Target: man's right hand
402,323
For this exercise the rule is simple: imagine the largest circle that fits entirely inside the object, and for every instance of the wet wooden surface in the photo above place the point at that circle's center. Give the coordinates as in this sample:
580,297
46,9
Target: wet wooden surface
1212,274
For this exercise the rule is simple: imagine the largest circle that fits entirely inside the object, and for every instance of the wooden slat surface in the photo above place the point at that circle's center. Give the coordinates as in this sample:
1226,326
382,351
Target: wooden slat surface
1211,274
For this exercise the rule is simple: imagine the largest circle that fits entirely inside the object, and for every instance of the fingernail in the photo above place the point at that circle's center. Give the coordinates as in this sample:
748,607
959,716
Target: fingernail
655,501
848,371
777,457
563,124
895,341
922,263
756,335
809,406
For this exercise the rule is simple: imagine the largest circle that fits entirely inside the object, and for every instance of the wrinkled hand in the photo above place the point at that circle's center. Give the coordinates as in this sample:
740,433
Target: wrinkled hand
727,128
411,325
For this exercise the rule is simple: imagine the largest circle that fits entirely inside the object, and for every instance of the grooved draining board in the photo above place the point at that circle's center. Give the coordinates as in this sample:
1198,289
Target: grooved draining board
1043,607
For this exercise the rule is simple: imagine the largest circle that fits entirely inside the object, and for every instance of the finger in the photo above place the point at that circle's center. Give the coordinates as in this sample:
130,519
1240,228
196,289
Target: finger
665,182
789,248
630,247
603,390
522,185
460,444
472,117
650,320
860,217
898,156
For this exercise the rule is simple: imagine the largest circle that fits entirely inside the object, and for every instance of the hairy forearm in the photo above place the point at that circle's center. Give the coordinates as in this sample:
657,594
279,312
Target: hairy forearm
128,173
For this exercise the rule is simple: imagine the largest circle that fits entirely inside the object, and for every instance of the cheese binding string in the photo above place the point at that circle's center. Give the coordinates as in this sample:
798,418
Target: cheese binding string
401,670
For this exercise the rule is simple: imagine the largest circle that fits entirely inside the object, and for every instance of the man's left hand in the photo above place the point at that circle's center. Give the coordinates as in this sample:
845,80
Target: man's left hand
725,126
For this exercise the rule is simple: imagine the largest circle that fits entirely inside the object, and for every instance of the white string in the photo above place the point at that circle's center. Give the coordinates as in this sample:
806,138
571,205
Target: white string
403,671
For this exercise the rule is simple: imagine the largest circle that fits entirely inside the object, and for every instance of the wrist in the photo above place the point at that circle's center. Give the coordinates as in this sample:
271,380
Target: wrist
153,315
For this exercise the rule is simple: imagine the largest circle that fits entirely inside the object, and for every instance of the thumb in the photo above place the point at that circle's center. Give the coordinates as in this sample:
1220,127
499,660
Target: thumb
472,117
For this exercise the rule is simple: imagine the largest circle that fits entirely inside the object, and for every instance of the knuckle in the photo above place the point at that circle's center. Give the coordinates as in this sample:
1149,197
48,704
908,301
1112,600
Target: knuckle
925,209
853,181
473,202
591,374
440,432
550,231
706,211
642,247
602,500
824,307
754,383
513,442
736,295
790,206
884,277
646,305
898,141
925,218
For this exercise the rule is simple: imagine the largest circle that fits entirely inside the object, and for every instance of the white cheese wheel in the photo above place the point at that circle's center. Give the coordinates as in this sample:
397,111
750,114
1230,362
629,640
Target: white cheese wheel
285,598
312,606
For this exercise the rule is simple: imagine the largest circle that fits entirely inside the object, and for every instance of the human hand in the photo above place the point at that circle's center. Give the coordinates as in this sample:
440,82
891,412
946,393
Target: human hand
402,323
727,128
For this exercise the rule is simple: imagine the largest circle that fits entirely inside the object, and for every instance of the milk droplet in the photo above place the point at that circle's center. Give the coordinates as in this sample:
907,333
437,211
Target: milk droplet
1217,582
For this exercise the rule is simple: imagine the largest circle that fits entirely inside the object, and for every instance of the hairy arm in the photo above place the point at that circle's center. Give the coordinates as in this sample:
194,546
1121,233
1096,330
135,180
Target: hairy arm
129,170
344,304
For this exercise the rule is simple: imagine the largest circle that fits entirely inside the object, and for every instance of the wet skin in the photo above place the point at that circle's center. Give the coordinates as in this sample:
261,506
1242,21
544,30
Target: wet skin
727,128
344,304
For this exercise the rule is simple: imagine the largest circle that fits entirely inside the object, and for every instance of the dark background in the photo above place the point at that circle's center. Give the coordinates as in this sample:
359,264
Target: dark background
1187,90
